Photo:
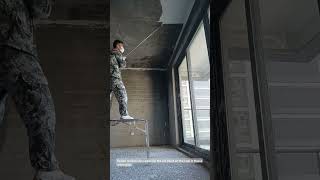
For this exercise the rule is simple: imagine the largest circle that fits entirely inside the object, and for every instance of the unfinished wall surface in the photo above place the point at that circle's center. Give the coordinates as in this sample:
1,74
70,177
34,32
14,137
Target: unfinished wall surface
133,21
74,63
147,99
173,108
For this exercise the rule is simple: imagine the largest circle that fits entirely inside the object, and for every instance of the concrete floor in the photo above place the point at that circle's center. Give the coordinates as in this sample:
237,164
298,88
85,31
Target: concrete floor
158,171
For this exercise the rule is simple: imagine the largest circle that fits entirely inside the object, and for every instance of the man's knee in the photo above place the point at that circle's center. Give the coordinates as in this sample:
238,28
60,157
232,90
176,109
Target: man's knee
32,72
23,65
117,85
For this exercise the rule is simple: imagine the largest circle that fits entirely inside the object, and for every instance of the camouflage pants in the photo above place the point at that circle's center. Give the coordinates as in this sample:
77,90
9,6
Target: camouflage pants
119,90
22,78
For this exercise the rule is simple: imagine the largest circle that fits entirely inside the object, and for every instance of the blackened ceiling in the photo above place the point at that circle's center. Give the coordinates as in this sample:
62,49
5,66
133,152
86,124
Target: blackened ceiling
80,10
132,21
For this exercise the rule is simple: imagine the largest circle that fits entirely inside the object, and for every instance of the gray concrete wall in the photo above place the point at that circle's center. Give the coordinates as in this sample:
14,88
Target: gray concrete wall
73,58
140,19
172,104
147,99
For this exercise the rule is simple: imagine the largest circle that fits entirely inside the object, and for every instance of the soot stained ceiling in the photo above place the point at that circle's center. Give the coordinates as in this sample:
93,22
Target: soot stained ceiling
132,21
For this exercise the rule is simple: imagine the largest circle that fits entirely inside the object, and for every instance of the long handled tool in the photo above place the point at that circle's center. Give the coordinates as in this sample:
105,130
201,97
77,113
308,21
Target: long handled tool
144,39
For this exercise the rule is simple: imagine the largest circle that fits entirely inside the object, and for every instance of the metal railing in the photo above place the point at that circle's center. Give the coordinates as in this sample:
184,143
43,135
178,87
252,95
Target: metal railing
132,123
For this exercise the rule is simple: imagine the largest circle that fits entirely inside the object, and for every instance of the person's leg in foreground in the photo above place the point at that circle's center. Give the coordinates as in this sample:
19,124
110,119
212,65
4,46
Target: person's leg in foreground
22,78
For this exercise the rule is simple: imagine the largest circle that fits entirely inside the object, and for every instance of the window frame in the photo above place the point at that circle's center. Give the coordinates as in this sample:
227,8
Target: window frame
191,85
178,91
204,153
221,156
266,128
219,152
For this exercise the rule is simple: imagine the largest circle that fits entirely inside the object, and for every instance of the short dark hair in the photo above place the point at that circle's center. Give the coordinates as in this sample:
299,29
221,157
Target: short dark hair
116,42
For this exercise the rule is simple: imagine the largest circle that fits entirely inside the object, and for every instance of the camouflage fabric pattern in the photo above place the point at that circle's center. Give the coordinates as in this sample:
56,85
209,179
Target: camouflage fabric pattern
116,85
117,61
16,22
22,78
119,90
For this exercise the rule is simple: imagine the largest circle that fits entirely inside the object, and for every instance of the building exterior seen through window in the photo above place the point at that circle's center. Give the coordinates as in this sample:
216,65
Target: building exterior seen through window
194,75
188,133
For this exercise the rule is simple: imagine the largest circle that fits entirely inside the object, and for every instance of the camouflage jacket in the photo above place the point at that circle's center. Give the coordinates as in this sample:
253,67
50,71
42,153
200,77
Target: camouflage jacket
16,22
116,62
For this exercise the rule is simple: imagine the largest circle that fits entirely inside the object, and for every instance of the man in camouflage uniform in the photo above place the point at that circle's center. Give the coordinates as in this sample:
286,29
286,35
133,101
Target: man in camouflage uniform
22,78
117,61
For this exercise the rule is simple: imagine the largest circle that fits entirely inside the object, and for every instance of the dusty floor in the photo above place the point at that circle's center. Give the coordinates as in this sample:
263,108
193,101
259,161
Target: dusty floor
158,171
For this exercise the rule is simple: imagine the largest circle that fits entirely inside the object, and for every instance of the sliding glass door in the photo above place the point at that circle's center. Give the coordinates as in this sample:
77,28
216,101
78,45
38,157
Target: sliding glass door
194,77
199,70
186,110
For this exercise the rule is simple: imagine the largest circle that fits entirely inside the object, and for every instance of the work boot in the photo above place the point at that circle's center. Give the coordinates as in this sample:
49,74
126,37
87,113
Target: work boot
52,175
130,123
126,117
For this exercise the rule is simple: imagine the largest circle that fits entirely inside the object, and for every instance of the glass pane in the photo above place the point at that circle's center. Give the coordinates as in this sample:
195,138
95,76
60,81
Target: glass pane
209,13
298,166
291,44
248,166
239,94
187,122
200,77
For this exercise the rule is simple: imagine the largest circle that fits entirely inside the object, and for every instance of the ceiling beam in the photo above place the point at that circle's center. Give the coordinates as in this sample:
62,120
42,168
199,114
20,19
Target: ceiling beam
86,23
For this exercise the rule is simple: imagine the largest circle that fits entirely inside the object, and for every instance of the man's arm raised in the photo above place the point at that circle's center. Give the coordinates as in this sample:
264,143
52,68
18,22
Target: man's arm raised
121,60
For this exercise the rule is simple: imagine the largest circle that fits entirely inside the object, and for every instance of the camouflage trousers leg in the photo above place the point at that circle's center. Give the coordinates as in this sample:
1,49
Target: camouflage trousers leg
3,102
22,78
118,89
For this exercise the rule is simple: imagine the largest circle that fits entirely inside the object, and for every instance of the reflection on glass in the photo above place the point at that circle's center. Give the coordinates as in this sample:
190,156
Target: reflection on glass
291,44
297,166
249,166
239,94
209,13
187,122
200,77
